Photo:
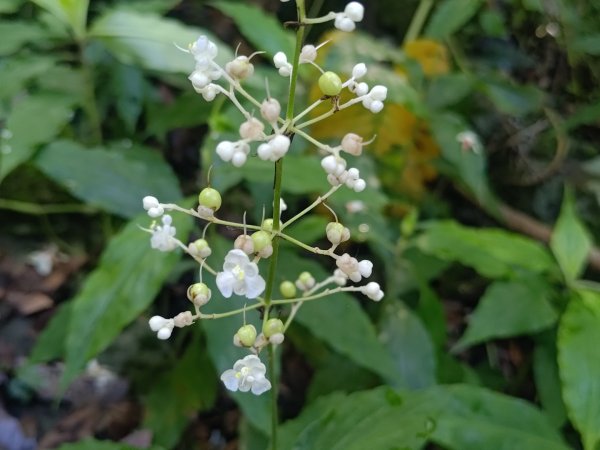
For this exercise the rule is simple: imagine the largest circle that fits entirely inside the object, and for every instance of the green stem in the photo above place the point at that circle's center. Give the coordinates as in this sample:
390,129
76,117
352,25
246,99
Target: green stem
418,20
289,115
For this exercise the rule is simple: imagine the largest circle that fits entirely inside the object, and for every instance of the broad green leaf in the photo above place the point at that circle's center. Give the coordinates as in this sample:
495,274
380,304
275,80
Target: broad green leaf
126,280
148,40
113,179
494,253
570,241
153,6
446,90
64,80
431,312
188,387
271,38
374,420
16,34
547,381
467,167
92,444
510,308
51,342
339,321
10,6
219,337
24,131
473,418
127,87
72,13
517,100
589,44
579,364
15,72
449,16
186,111
409,344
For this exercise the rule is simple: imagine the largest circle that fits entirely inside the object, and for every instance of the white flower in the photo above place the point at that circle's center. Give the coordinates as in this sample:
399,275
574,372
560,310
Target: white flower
346,21
469,141
204,52
373,101
153,207
163,327
240,276
373,291
162,236
281,63
275,149
234,152
248,374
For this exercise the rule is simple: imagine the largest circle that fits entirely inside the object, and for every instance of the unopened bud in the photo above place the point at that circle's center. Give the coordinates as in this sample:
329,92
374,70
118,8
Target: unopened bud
210,198
183,319
287,289
261,240
337,233
277,339
305,281
240,68
247,335
252,129
330,84
267,225
199,294
200,248
244,243
352,143
270,110
272,327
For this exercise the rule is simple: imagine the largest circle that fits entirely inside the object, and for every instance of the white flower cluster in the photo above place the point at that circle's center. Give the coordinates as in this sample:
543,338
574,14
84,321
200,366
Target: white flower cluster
206,71
346,20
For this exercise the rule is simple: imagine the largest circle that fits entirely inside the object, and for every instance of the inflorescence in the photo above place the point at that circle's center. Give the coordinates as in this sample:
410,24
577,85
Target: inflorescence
269,137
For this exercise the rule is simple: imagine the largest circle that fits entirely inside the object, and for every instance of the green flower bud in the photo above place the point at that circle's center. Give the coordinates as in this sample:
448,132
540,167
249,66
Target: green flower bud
200,248
273,326
267,225
199,294
210,198
288,290
330,84
337,233
247,335
261,240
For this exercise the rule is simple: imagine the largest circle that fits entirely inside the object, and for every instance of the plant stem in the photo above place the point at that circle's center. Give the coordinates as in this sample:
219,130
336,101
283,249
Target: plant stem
418,20
289,115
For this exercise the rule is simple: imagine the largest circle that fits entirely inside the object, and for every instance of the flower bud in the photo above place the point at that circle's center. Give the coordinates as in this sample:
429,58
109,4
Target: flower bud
337,233
267,225
183,319
247,335
150,202
157,322
287,289
252,129
266,252
225,150
308,53
305,281
330,84
365,267
261,239
359,71
339,277
277,339
199,294
272,327
200,248
378,92
270,110
240,68
244,243
355,11
210,198
352,143
164,333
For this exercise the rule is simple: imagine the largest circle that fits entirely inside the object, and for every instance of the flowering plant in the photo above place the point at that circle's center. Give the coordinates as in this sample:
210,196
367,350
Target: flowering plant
269,137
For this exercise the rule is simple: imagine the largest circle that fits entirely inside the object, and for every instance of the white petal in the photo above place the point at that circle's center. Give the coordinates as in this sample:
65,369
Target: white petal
255,286
225,282
261,385
230,380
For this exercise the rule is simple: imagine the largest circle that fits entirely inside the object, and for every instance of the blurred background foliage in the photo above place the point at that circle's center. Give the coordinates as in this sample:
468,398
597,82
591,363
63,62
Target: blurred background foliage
488,335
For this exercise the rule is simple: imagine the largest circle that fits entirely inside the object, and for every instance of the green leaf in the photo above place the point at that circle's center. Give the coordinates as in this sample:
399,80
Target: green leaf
511,308
494,253
547,381
263,30
450,16
16,34
589,44
26,131
374,420
51,342
186,111
115,180
570,242
579,364
15,72
472,418
447,90
126,280
309,229
127,87
10,6
409,344
467,167
190,386
512,99
72,13
92,444
148,40
339,321
431,312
